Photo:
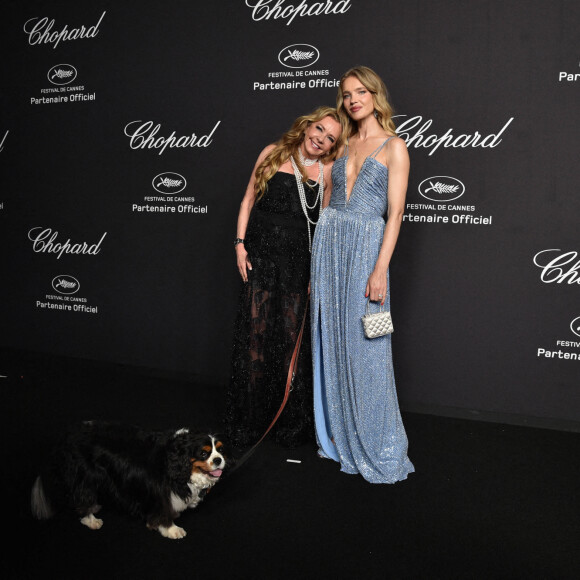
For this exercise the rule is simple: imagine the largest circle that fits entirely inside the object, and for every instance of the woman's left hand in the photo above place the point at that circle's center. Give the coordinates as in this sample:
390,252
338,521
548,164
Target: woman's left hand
377,287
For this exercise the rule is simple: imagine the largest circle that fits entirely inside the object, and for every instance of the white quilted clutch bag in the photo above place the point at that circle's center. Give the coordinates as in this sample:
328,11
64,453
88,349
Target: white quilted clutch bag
377,324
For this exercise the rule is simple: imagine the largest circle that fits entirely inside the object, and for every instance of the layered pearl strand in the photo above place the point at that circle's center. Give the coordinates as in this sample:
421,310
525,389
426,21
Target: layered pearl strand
302,193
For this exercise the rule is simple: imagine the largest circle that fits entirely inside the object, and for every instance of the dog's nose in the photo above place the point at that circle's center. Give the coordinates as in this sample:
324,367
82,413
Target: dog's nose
217,460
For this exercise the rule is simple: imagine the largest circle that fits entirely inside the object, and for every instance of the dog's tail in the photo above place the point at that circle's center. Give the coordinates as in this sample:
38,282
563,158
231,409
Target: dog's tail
39,504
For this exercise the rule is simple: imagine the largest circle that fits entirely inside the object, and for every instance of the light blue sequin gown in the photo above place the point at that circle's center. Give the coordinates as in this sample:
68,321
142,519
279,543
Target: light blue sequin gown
355,400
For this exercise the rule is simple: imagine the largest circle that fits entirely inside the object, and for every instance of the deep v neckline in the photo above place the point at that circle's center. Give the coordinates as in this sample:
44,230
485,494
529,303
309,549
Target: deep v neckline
349,195
370,156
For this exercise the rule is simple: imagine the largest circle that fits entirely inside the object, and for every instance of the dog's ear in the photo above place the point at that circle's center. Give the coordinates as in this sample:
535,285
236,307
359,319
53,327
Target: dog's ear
179,454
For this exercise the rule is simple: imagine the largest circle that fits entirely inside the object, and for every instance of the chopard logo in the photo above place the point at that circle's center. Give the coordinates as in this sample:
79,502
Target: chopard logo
169,183
275,9
144,136
413,132
39,31
558,266
44,241
298,56
62,74
441,188
65,284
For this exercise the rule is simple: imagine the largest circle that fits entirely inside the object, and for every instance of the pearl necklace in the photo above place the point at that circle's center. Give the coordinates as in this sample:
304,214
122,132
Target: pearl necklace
302,193
303,160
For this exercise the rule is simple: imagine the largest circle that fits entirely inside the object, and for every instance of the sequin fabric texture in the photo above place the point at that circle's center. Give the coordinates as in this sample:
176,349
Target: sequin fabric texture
356,410
270,313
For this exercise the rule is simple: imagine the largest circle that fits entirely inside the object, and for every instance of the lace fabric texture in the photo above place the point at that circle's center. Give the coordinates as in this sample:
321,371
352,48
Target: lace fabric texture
270,313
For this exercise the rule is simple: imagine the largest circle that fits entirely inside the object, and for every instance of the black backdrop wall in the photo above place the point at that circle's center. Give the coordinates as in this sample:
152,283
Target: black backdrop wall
129,130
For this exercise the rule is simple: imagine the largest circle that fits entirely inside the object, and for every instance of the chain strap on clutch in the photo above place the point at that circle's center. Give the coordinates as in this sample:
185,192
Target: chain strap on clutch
377,324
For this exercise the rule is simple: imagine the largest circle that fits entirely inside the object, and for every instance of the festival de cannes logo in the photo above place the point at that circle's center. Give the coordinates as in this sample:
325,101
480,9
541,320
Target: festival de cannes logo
65,284
441,188
575,326
62,74
169,183
298,56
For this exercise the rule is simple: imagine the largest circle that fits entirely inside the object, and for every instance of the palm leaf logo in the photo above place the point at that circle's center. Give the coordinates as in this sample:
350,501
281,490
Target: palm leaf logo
442,188
62,74
170,182
299,55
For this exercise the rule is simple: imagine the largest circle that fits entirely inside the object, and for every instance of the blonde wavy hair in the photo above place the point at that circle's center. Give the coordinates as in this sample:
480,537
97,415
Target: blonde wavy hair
288,146
373,83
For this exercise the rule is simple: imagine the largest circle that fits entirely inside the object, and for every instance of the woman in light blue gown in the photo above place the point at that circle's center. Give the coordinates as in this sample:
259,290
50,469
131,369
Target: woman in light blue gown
356,410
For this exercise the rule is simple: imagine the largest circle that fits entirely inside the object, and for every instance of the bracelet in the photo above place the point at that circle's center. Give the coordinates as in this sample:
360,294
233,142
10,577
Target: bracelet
238,241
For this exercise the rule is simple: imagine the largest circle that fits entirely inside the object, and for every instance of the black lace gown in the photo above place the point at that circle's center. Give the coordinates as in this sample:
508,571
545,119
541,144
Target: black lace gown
268,322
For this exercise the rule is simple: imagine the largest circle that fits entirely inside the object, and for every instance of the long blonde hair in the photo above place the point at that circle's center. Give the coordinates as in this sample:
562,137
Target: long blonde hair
288,146
373,83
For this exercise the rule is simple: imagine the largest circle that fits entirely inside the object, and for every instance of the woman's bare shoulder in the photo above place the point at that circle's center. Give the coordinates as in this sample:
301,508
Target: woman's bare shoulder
396,153
264,153
397,146
267,150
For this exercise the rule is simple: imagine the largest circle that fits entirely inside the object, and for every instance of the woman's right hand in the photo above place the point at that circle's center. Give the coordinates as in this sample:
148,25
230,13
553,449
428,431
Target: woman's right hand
243,261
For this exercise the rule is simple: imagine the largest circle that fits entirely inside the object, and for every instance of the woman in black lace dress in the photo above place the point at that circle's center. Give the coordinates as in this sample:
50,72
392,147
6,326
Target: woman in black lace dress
289,185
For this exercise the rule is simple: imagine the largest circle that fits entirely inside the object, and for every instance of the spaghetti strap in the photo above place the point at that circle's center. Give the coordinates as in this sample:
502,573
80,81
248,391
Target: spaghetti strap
376,151
345,152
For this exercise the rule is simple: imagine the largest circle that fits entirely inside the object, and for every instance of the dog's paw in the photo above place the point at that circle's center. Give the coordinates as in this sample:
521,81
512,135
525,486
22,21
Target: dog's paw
92,522
173,532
